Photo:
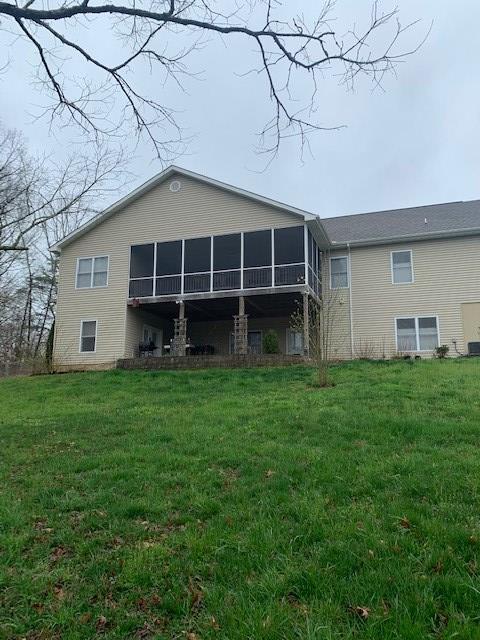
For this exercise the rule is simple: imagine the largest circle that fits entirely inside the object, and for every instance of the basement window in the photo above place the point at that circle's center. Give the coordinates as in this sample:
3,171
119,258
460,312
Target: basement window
88,336
417,333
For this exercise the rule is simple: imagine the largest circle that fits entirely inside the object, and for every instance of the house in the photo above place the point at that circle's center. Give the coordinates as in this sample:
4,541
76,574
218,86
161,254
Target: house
186,264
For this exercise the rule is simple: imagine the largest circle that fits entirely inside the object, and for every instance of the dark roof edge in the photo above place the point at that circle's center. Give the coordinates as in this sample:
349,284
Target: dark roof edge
435,235
380,211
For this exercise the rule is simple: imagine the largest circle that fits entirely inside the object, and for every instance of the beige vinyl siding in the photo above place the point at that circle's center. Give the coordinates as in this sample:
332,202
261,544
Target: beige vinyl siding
471,322
135,321
196,210
446,274
336,311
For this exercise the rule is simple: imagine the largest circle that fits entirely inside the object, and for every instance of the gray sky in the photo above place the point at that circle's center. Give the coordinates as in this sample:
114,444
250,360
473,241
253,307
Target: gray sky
415,143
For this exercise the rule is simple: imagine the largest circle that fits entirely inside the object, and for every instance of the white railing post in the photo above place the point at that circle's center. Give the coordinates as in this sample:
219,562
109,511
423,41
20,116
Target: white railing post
241,261
211,263
273,257
182,275
154,289
305,242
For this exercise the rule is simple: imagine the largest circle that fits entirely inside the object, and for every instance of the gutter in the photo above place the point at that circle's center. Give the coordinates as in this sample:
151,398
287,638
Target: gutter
350,295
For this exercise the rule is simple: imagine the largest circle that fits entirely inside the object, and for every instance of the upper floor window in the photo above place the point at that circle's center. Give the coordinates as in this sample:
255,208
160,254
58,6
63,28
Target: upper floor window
402,267
92,272
339,272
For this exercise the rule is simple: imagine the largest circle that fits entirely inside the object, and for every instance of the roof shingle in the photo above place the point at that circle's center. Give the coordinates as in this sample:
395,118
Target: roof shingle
389,225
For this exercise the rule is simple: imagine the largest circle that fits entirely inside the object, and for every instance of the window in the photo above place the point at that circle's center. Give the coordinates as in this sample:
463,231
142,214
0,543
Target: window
294,342
339,273
168,268
427,334
417,334
141,270
92,272
289,245
402,269
169,258
197,255
257,249
254,342
141,261
226,252
88,336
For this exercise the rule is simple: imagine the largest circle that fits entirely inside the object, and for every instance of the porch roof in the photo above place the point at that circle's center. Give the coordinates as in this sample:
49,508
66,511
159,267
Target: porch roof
223,308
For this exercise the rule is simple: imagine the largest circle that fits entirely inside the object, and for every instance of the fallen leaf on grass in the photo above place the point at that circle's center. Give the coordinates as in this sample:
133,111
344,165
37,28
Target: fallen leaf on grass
269,473
85,617
361,612
116,542
59,592
101,624
196,594
41,525
293,600
405,523
145,631
438,567
58,552
214,624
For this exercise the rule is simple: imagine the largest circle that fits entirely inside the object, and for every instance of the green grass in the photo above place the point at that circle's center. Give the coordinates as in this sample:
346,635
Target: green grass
242,504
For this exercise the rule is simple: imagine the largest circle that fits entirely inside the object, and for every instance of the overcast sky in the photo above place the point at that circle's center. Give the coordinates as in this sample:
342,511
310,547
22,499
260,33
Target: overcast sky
415,143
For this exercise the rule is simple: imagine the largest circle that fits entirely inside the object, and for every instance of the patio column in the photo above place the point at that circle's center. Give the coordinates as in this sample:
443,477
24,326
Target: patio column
240,329
179,332
306,326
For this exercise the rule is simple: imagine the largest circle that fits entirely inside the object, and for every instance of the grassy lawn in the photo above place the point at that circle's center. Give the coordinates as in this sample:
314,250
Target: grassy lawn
242,504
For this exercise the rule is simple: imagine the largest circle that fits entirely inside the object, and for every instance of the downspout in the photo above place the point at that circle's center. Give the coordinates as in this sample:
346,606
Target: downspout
350,296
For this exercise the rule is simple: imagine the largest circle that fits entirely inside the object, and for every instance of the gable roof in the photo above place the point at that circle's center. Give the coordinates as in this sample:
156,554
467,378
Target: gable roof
312,220
431,221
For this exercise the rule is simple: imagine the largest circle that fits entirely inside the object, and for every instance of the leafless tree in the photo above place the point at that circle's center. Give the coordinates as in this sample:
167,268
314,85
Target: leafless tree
37,191
164,35
40,202
319,326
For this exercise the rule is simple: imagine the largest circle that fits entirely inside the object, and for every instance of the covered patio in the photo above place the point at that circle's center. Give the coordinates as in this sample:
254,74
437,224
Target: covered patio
218,325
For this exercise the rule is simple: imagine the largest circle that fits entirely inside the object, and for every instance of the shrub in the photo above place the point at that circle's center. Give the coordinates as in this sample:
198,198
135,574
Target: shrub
442,351
270,342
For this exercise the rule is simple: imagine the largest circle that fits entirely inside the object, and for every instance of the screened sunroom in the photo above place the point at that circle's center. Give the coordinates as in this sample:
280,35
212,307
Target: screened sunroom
266,260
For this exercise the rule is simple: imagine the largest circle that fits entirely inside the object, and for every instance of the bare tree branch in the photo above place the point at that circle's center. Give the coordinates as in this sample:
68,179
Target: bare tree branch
35,191
288,49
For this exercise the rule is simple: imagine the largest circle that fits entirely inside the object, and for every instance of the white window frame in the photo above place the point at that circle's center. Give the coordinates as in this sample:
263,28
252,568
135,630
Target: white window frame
82,322
410,251
345,257
417,333
92,286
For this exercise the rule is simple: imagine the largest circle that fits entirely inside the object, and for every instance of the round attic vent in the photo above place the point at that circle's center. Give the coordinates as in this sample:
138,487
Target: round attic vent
175,186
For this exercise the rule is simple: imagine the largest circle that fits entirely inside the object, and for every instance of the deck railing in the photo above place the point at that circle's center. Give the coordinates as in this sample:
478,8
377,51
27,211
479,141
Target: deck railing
284,275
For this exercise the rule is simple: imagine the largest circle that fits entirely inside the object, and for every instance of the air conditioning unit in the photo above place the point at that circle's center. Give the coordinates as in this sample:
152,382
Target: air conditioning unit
474,348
